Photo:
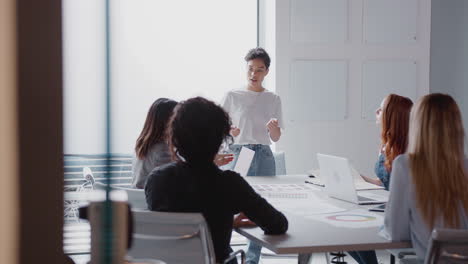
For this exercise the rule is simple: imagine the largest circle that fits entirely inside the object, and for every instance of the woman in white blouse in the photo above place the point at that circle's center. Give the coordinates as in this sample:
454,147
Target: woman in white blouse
429,184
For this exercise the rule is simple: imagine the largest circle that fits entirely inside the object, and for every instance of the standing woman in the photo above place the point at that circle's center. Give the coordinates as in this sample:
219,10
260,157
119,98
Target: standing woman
151,148
256,115
429,184
257,120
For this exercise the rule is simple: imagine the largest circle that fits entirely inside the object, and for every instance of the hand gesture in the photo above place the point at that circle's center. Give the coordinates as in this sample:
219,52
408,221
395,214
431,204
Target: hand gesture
223,159
274,129
272,124
235,131
241,220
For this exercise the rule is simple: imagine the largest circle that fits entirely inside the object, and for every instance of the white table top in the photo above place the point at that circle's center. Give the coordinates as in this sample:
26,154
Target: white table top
307,235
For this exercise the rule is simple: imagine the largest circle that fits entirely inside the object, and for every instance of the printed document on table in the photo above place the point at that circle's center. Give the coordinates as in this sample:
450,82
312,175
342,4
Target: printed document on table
299,199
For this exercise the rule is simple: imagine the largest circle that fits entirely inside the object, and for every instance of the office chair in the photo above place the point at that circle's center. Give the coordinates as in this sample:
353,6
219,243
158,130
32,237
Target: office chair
174,238
400,254
136,197
280,162
448,246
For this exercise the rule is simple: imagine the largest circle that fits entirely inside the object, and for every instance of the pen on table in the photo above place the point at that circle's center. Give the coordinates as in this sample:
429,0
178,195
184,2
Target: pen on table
318,184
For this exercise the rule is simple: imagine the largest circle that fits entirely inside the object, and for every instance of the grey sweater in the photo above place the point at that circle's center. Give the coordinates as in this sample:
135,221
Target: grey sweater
403,220
158,155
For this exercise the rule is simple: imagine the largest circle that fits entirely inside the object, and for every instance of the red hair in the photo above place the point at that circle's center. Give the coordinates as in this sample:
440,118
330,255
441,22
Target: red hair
395,126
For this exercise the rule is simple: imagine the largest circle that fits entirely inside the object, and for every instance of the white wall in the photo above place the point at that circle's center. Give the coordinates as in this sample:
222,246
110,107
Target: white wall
354,34
449,51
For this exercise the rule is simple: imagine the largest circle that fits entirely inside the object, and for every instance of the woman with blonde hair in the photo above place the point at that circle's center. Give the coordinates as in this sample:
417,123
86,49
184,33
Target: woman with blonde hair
429,184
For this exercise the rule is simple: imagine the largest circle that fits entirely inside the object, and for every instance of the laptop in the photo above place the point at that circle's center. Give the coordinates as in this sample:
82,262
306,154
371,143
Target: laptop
339,181
359,182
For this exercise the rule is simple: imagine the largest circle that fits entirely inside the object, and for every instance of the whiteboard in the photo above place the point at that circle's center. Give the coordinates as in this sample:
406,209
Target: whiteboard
321,21
382,77
318,91
390,21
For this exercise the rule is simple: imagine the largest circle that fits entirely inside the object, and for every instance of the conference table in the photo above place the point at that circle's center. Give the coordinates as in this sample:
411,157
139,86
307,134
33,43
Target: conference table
317,223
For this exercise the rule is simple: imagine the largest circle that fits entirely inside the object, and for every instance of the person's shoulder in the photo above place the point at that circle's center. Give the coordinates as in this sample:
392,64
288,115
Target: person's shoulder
238,92
229,174
232,177
401,170
235,94
401,160
164,170
158,149
270,94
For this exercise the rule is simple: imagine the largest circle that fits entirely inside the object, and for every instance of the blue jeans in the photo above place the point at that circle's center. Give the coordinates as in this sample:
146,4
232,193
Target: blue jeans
263,164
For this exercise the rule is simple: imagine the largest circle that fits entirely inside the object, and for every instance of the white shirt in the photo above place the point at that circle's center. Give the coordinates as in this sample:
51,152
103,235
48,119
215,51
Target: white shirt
251,111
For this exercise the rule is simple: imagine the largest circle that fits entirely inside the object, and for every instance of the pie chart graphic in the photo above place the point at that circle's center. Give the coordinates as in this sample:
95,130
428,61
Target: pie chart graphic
351,218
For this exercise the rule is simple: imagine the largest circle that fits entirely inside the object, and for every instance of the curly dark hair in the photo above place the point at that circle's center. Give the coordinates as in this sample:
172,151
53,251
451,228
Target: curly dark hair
197,129
154,130
258,53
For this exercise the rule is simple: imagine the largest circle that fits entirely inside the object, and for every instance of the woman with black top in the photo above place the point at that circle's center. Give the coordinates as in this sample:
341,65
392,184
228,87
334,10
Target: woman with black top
193,183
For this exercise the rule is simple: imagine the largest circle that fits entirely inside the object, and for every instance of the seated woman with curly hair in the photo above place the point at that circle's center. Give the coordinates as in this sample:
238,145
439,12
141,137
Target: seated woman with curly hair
193,183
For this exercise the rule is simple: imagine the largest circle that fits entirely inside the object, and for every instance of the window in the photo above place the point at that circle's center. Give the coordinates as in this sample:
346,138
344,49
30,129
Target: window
174,49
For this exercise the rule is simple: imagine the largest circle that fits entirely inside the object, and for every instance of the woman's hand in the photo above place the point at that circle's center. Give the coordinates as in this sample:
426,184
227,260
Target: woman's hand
241,220
235,131
274,129
372,180
223,159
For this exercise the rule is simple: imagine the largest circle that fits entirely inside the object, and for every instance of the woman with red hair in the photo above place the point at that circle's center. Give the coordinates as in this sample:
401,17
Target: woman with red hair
393,115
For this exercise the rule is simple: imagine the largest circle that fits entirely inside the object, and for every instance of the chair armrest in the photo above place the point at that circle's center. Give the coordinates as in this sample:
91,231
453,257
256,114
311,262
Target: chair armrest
454,256
403,254
158,237
234,254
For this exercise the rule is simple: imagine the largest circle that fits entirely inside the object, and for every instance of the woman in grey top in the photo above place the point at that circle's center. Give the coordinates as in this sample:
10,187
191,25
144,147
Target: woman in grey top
151,148
429,184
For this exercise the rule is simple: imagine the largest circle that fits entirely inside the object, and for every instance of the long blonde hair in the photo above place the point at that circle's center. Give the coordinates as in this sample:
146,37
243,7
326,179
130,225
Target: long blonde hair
436,156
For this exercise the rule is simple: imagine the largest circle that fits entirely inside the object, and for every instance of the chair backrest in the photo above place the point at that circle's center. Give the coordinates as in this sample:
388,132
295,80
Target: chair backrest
448,246
172,237
280,162
136,197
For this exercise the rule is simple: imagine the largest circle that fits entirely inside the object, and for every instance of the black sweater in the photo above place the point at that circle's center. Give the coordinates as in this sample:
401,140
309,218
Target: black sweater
217,194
